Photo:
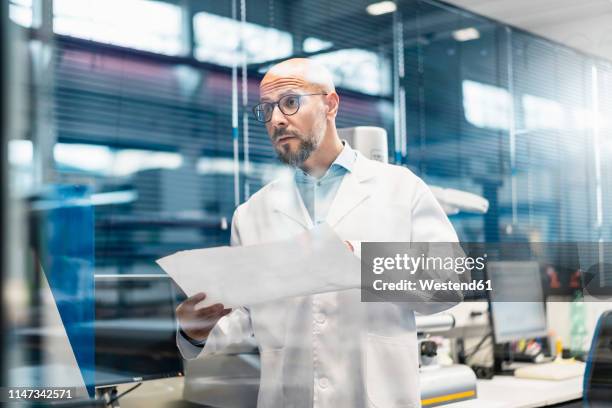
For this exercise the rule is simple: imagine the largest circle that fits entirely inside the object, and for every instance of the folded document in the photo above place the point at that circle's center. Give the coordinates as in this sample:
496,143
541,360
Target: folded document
315,261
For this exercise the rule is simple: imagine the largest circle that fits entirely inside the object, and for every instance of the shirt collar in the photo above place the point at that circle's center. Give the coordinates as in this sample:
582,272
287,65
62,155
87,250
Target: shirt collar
345,160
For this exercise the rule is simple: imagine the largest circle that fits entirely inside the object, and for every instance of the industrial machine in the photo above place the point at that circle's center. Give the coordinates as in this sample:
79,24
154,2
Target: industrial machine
441,384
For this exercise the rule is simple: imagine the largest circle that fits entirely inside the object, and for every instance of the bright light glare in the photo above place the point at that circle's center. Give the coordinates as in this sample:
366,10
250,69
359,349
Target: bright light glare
486,106
313,44
542,113
382,7
359,70
21,158
215,165
466,34
142,24
118,163
218,41
20,11
83,157
20,153
130,161
225,166
114,197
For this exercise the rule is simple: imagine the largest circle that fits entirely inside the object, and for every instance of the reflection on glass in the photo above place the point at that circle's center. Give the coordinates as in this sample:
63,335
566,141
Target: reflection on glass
262,172
20,156
460,84
135,329
542,113
486,106
218,41
466,34
358,70
112,162
313,44
158,27
20,11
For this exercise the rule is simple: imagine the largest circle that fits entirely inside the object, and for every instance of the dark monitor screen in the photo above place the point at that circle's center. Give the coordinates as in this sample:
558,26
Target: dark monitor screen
135,335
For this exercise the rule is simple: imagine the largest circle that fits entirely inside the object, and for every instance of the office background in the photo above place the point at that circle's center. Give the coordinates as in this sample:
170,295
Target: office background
155,117
146,105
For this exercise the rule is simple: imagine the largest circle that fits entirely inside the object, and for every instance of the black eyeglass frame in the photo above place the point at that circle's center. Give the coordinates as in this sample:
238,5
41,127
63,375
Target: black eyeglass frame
277,103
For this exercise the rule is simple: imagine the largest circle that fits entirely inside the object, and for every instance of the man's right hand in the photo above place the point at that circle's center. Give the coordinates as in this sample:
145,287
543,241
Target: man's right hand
198,323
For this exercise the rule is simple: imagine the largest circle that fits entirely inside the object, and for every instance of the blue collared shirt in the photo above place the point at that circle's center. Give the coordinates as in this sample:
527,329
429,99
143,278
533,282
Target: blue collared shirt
318,194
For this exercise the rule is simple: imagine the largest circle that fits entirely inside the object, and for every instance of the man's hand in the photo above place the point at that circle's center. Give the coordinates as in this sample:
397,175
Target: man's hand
198,323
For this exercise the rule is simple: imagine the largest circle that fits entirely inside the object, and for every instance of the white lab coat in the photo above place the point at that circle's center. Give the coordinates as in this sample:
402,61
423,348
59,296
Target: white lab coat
332,350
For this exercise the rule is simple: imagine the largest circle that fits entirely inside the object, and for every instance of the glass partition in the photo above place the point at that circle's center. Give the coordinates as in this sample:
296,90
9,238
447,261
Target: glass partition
131,134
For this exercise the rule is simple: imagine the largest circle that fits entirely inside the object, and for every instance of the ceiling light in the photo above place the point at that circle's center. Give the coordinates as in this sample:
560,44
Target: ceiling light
466,34
382,7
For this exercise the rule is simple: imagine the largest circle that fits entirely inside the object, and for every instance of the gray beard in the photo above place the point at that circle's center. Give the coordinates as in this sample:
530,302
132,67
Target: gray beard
307,146
298,158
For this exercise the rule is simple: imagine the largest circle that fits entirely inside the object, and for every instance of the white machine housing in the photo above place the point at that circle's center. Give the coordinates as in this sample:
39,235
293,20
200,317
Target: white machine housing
371,141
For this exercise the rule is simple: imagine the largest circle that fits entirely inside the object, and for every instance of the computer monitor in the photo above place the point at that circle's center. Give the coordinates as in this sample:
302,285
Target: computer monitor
135,332
513,313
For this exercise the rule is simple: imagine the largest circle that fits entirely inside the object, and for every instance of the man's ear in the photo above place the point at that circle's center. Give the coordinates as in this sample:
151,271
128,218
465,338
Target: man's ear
333,102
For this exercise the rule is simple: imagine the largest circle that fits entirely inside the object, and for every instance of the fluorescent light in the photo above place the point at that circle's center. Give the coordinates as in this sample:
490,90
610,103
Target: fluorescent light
147,25
112,162
382,7
114,197
215,165
486,106
313,44
87,157
466,34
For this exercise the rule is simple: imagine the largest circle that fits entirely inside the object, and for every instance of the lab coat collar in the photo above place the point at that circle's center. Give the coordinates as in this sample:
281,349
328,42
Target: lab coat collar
364,168
287,201
352,192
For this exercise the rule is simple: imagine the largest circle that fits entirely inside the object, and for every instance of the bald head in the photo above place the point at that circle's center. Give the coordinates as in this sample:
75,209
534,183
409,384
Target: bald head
299,73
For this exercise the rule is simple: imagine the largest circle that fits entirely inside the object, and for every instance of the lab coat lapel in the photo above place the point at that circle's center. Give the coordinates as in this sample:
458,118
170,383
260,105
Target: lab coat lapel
353,191
287,202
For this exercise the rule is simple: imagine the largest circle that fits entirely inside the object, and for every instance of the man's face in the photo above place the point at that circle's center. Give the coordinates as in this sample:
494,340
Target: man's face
295,137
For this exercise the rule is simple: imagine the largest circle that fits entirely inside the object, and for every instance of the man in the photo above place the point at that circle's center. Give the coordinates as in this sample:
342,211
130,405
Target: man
329,349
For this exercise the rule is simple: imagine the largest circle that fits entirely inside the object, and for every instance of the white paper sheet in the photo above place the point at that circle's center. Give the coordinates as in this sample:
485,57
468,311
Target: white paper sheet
315,261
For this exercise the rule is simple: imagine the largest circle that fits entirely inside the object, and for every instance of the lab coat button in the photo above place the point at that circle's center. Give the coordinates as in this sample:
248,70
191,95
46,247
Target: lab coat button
319,318
323,382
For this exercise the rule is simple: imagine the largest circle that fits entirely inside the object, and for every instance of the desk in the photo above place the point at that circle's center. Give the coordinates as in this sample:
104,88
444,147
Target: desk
511,392
500,392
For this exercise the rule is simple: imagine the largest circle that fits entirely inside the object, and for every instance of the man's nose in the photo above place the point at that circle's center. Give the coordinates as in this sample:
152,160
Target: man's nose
278,118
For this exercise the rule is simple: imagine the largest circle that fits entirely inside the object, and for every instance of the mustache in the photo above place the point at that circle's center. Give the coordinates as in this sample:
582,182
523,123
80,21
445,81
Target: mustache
280,132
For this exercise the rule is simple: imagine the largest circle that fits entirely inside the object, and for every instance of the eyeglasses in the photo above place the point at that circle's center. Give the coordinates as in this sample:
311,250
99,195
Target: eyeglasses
288,105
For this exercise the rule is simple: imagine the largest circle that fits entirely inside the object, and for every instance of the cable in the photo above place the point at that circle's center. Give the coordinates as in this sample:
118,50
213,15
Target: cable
478,346
110,402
